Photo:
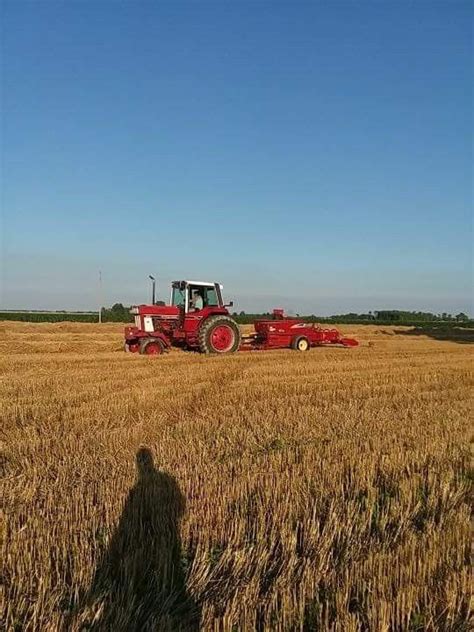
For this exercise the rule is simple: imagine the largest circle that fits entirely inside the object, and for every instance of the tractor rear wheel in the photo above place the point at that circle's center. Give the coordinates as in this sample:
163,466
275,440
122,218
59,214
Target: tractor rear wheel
219,334
301,343
151,346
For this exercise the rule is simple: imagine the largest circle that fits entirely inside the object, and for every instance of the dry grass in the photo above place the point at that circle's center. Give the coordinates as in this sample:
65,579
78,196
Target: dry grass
327,490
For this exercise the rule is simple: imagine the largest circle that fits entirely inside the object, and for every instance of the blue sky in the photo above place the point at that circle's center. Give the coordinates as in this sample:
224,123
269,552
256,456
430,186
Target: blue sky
315,156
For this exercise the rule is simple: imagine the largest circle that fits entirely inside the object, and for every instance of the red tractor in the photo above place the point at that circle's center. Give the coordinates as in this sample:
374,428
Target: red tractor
198,319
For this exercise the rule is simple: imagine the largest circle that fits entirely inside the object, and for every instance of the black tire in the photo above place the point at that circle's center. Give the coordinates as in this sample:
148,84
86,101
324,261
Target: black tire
205,337
146,345
300,343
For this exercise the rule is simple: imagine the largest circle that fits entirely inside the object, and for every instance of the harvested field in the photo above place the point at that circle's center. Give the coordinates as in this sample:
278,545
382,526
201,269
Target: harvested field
327,490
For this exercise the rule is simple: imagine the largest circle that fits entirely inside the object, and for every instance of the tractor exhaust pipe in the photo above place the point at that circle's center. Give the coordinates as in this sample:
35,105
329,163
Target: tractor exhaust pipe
153,288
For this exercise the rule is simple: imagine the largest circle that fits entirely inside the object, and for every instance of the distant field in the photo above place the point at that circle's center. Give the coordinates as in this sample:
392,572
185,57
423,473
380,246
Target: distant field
327,490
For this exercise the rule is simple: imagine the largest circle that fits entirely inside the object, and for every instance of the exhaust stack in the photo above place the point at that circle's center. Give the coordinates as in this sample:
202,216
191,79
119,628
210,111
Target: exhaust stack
153,288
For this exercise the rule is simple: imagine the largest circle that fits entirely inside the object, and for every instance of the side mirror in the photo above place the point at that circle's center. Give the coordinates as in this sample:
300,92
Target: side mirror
231,304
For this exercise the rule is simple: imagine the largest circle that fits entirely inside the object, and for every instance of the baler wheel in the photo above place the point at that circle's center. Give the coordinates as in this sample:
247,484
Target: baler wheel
151,346
219,334
300,343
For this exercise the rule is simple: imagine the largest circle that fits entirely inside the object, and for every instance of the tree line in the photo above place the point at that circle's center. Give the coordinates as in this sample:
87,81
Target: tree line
377,317
121,313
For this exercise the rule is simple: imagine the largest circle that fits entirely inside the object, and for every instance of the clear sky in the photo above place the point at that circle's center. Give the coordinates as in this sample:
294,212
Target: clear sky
315,156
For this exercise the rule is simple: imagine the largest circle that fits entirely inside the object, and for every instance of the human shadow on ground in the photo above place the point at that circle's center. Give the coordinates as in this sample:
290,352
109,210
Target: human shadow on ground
139,584
462,335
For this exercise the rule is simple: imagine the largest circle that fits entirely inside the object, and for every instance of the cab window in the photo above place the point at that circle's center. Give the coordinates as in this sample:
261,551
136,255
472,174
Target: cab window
210,297
178,297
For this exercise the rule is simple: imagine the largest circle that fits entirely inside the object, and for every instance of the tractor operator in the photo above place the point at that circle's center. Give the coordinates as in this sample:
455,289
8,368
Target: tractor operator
197,300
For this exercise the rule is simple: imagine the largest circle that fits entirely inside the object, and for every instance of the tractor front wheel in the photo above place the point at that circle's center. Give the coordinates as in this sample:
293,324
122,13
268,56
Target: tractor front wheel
151,346
219,334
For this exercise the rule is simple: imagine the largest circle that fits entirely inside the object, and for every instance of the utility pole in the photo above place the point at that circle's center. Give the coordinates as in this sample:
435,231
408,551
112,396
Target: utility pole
100,297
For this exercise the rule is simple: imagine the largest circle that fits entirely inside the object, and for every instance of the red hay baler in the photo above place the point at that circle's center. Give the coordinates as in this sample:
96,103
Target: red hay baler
282,332
197,319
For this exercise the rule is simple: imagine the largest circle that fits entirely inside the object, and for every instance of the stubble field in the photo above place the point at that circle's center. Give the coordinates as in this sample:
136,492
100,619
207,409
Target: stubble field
328,490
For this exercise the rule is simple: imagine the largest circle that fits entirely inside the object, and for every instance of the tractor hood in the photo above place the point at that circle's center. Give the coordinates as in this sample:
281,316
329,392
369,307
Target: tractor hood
165,311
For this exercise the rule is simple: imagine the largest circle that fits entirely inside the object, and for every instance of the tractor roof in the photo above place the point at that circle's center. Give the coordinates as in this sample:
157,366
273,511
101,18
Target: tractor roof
203,283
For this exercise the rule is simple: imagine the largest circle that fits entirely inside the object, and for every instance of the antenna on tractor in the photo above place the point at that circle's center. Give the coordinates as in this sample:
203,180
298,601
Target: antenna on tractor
153,286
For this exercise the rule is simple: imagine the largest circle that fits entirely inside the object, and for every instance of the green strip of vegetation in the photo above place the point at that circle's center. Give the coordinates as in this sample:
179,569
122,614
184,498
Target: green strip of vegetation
120,313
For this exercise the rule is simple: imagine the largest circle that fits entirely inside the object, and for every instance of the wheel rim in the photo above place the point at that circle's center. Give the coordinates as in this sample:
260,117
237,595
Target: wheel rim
222,338
153,348
302,345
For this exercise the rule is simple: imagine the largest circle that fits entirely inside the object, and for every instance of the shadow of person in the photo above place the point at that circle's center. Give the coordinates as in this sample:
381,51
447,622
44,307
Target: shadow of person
139,583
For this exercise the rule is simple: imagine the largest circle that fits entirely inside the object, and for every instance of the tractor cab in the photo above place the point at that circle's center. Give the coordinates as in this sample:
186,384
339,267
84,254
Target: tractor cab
193,296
